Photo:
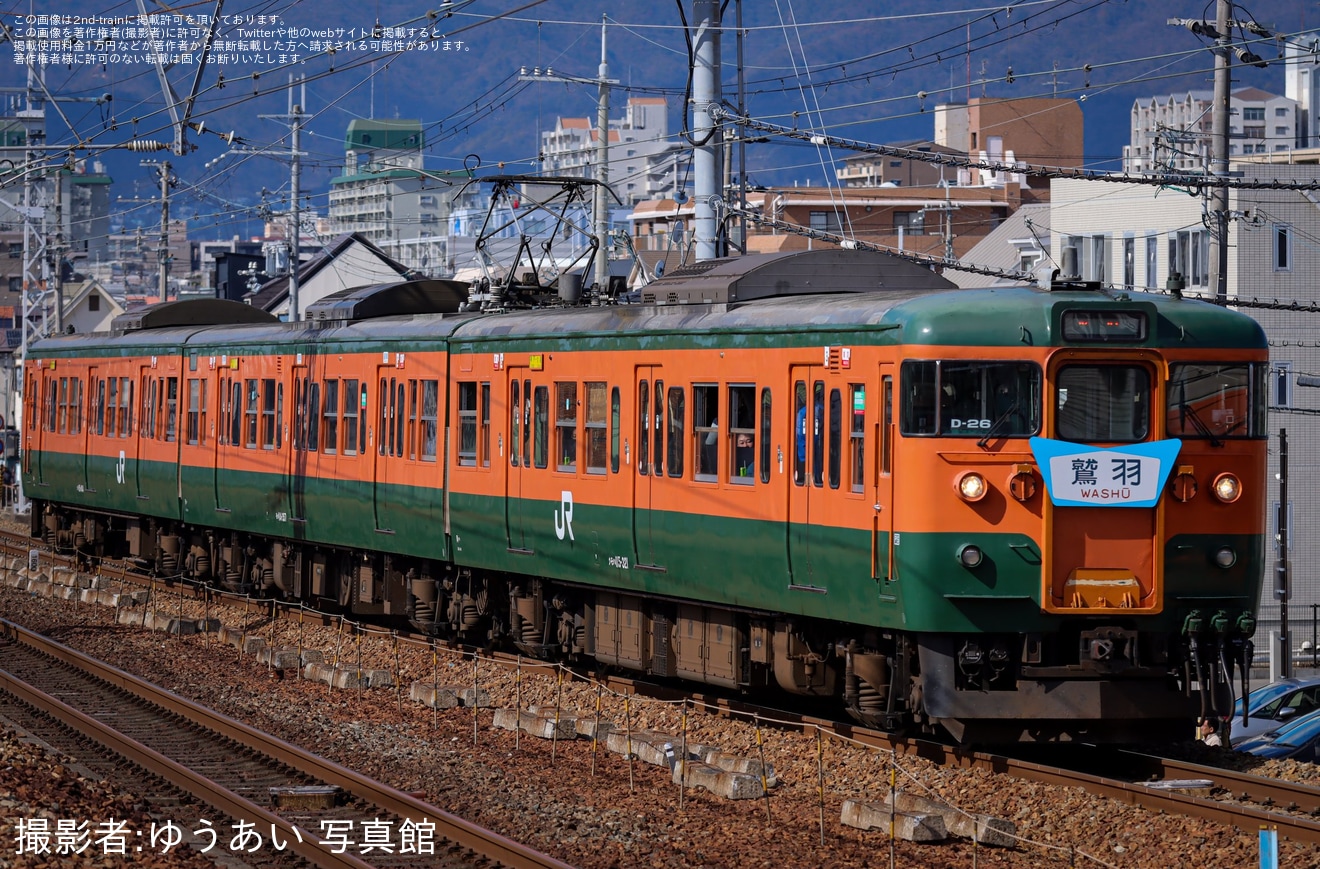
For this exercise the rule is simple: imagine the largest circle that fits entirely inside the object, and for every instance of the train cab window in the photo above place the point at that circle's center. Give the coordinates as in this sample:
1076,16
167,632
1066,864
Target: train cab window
467,424
614,430
171,408
350,417
856,437
566,417
1102,403
705,432
643,427
677,419
887,425
1207,401
541,421
430,420
765,434
970,398
741,438
515,421
593,425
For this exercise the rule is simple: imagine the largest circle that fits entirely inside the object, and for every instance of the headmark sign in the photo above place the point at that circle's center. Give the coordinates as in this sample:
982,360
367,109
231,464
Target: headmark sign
1079,475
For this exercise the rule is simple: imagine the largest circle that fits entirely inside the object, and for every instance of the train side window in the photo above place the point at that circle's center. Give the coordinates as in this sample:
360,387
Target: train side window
149,414
30,400
362,418
541,418
125,407
194,408
100,407
766,419
677,443
705,432
527,424
800,432
299,413
643,427
413,432
886,426
235,413
741,439
594,427
467,424
857,437
279,415
399,419
818,434
78,403
430,419
313,416
268,413
566,417
171,408
836,437
383,427
485,425
659,454
63,404
350,417
112,406
330,417
75,405
515,422
614,430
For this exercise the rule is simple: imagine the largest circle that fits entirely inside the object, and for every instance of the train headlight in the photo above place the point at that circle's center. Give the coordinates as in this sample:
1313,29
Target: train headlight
1227,488
970,555
971,486
1225,557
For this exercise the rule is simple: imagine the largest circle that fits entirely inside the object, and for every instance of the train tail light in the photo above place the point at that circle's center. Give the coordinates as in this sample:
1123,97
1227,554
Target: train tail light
1225,557
970,556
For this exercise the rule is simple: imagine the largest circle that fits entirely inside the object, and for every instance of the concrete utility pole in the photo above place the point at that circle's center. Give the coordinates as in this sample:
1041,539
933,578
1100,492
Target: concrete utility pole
706,146
1219,154
602,167
57,252
163,248
295,116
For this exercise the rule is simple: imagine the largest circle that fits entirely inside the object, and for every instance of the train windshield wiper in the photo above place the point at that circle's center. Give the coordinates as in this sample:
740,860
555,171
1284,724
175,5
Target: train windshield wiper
999,423
1189,412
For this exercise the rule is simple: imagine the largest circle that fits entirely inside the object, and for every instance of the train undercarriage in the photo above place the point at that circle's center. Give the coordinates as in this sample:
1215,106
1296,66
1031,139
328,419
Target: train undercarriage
1094,682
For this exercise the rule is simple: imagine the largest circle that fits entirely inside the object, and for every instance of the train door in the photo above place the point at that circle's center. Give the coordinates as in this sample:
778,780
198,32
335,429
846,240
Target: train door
391,420
807,490
296,464
95,410
228,433
882,537
146,429
43,423
650,404
519,390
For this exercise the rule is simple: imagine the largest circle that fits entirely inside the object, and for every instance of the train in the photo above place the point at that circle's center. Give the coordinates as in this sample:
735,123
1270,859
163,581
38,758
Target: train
1029,512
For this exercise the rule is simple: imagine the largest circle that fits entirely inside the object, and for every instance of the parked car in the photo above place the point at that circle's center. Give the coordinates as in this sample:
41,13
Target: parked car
1273,705
1299,739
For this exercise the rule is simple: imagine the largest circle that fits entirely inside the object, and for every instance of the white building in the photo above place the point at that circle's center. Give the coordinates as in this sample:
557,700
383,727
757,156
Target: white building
1172,133
644,163
385,193
1302,84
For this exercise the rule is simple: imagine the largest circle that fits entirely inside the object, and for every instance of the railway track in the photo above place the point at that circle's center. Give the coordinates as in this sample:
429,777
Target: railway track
244,774
1232,798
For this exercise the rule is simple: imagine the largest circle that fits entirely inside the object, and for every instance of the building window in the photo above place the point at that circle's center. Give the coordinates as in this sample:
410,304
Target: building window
1129,262
1282,247
1152,255
1253,114
1281,394
1280,112
825,221
93,302
910,222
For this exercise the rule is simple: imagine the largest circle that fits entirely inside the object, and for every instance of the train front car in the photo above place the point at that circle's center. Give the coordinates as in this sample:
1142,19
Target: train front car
1084,481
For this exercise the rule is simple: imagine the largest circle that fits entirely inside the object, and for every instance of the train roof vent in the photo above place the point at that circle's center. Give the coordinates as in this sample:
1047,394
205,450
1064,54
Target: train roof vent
803,273
387,300
191,312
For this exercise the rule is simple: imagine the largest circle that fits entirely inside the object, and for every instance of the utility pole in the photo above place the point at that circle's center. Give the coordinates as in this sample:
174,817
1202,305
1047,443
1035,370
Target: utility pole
706,148
1219,155
295,116
1282,589
163,248
602,166
57,253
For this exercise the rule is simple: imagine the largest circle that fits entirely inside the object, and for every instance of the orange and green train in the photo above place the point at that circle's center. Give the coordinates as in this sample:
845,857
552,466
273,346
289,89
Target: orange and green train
1015,513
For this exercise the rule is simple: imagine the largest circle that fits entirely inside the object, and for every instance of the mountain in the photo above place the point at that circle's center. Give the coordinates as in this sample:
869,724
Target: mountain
869,71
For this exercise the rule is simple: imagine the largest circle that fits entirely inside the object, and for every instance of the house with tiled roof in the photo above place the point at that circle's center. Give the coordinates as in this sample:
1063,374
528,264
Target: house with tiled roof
349,261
